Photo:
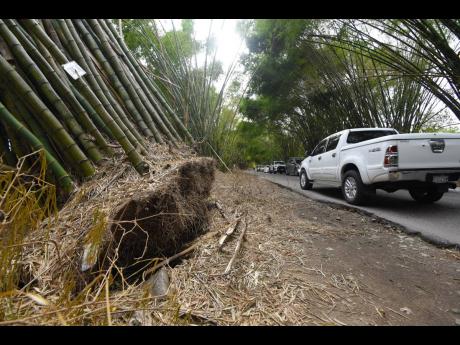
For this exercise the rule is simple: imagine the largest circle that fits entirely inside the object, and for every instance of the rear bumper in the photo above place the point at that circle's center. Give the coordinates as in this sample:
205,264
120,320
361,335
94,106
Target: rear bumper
403,179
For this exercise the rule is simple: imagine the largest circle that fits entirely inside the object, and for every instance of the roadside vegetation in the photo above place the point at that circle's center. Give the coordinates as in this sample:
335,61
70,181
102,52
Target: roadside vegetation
311,78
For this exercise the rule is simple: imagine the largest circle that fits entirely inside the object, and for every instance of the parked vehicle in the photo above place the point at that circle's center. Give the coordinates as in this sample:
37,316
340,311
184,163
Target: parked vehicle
365,159
278,167
293,166
267,169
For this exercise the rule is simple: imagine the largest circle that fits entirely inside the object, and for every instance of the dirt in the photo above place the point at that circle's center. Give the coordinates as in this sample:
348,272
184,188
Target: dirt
319,264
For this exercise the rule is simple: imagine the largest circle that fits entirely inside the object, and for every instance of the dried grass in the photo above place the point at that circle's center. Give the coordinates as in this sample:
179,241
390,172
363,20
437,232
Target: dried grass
94,224
276,278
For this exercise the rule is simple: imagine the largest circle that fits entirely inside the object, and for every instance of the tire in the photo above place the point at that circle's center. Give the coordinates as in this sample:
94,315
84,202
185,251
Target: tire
354,191
305,183
426,196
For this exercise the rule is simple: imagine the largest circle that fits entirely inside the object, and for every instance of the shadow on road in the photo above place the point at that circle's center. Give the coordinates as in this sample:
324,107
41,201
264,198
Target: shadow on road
388,201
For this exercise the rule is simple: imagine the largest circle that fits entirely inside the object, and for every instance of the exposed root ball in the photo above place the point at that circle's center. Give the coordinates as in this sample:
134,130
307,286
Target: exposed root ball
158,223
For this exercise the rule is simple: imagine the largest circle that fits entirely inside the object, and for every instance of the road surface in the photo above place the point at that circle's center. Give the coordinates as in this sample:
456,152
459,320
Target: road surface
438,223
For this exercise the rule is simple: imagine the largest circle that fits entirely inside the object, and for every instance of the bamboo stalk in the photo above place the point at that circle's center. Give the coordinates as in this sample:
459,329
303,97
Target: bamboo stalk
135,79
61,175
130,151
153,89
53,126
59,85
94,48
115,63
48,92
106,95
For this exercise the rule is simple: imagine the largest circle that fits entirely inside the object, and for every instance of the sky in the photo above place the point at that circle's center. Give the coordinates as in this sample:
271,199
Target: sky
230,45
229,42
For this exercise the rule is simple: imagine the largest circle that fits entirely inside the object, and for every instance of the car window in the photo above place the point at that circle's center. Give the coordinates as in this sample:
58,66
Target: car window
332,143
359,136
320,148
298,161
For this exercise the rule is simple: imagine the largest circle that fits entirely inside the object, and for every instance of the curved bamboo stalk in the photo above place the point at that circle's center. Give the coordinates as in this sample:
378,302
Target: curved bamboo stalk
62,89
48,92
153,89
142,90
61,175
53,126
22,113
130,151
115,63
94,48
105,95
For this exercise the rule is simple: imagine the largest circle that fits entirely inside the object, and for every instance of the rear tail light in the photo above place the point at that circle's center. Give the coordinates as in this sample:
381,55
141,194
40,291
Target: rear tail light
391,156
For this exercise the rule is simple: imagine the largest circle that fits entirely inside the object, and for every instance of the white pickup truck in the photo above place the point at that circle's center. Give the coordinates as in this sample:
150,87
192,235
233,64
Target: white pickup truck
362,160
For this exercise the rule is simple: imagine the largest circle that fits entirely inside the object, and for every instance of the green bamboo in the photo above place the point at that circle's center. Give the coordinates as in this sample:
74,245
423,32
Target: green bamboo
48,92
62,89
130,151
104,84
134,80
98,84
65,79
115,63
94,48
6,155
52,124
140,77
153,88
22,113
61,175
48,27
90,110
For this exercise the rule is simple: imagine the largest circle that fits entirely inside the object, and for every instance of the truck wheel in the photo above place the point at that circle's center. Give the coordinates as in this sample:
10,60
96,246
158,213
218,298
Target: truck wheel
354,191
425,196
305,183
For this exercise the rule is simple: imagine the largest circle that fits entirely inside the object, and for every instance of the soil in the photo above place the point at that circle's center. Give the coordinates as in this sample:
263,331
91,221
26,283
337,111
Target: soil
305,262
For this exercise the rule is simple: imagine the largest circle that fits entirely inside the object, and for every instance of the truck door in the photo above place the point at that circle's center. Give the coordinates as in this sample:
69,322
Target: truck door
314,162
330,160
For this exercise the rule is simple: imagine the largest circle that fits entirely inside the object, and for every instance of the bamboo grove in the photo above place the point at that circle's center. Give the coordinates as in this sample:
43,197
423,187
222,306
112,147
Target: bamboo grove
77,122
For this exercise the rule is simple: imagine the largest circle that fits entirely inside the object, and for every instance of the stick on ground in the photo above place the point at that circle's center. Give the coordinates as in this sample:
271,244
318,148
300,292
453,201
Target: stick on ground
229,231
237,249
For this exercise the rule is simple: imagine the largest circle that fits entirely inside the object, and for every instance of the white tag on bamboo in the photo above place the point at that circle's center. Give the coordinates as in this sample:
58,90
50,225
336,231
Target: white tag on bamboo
74,70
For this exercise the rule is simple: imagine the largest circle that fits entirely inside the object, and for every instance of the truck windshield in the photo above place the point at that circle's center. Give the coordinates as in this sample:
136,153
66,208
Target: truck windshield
359,136
279,162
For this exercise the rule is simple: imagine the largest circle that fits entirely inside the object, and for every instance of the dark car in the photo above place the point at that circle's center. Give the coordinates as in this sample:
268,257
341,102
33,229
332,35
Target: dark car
293,165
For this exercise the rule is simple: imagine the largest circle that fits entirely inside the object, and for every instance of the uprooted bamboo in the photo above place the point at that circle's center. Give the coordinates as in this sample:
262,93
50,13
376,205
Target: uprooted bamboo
76,118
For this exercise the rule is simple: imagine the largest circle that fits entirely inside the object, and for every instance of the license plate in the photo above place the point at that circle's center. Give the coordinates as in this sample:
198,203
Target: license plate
440,179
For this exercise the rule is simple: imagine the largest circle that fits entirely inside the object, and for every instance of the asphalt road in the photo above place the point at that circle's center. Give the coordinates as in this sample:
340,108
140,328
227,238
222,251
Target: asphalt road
438,223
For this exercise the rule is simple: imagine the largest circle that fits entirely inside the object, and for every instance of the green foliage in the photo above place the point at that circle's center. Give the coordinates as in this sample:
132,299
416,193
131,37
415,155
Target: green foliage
304,91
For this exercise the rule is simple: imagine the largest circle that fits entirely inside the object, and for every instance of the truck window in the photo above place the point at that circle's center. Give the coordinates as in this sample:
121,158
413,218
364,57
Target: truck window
359,136
332,143
320,148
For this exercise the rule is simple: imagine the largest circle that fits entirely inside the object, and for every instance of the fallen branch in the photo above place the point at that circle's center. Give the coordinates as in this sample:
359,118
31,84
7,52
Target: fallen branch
237,249
229,231
221,210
